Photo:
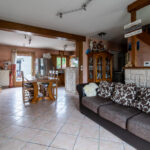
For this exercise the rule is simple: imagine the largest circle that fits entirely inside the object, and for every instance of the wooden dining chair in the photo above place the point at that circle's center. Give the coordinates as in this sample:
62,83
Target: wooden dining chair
27,89
55,85
44,86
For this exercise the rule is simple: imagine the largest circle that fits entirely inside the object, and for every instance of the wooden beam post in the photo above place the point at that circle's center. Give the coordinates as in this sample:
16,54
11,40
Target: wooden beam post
22,28
145,37
138,4
79,54
133,42
132,8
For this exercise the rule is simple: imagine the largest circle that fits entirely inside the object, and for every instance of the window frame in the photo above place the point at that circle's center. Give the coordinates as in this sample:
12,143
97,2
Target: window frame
61,68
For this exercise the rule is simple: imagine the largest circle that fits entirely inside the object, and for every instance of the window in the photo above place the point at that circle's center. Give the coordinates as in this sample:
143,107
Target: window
58,61
21,65
61,62
74,62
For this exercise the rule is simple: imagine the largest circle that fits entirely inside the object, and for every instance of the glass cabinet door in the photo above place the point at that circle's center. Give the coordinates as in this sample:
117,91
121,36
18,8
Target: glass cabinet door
99,67
90,68
108,68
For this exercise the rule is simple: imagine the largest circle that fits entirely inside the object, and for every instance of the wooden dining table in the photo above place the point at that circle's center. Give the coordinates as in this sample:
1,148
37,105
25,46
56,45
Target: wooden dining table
50,81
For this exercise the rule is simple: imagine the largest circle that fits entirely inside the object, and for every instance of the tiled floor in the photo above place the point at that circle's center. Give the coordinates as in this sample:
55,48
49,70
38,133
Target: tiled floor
51,126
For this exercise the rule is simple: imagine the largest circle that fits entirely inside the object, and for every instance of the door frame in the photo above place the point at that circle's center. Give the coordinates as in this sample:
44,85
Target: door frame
23,53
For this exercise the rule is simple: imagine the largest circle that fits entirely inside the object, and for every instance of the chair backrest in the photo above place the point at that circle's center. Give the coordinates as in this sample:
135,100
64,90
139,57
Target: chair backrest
51,73
22,75
56,74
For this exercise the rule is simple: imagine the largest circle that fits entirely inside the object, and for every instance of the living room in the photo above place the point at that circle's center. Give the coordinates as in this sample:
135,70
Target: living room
74,76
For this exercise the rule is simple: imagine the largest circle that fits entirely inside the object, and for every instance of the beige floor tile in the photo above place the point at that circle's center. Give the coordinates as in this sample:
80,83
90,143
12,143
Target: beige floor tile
44,138
3,125
36,124
52,126
63,115
89,132
31,146
74,120
108,145
25,121
12,145
64,141
3,139
106,135
51,148
128,147
86,144
70,129
89,122
77,114
26,134
10,131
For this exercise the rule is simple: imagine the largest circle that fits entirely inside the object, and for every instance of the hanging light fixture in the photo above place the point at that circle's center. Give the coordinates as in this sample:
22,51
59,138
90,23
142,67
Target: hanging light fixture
30,39
101,35
83,7
65,47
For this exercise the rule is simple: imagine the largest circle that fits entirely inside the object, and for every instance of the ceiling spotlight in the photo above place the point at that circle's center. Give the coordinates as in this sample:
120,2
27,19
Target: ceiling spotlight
30,39
60,14
84,7
102,34
65,46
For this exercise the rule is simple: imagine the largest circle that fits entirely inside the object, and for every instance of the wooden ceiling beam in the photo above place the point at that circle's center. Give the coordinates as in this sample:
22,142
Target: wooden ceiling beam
15,27
145,37
138,5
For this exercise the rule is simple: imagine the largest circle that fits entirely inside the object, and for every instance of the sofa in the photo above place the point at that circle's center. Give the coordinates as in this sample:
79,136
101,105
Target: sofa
125,120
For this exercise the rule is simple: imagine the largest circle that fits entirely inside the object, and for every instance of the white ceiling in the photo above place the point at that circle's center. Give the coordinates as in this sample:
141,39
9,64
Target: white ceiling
18,39
144,14
101,16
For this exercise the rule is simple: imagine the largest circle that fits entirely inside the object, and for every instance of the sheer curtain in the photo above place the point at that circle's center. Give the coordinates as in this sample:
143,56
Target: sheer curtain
13,68
13,57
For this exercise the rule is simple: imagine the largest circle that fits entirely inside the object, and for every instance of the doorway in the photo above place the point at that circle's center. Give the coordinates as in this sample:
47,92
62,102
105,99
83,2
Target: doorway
25,63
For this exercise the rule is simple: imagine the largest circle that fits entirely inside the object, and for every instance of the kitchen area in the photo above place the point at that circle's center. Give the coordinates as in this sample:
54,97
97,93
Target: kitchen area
36,60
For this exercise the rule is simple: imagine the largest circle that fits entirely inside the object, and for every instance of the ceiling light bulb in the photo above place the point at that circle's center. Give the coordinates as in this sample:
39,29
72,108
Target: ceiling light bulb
84,7
30,39
60,14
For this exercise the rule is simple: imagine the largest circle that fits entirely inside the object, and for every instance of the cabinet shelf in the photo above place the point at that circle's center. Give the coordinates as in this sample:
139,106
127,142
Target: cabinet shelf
100,68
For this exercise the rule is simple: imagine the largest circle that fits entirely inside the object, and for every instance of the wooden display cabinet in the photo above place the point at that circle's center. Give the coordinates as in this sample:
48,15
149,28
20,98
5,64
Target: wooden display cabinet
99,67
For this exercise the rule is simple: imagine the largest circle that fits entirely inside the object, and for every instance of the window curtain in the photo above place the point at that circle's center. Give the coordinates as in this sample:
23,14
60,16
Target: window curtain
13,56
13,68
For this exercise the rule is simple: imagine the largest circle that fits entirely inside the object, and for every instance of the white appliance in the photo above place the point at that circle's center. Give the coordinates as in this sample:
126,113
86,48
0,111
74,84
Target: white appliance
4,78
71,79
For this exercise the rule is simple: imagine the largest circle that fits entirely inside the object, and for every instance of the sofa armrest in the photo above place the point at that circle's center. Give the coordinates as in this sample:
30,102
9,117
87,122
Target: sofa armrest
80,89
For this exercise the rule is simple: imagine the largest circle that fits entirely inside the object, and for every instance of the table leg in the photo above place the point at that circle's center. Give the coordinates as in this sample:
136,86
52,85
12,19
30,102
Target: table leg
50,93
35,98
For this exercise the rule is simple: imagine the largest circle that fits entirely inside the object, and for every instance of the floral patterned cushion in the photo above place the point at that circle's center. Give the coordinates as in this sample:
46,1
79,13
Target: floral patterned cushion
105,89
124,94
143,100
